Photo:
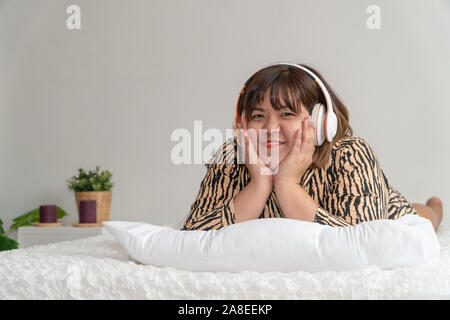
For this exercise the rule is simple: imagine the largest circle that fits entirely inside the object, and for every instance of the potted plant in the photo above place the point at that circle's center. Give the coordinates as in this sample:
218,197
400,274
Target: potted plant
93,185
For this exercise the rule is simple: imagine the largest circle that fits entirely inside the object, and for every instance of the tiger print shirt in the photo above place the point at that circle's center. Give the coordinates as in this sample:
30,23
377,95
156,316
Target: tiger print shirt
350,189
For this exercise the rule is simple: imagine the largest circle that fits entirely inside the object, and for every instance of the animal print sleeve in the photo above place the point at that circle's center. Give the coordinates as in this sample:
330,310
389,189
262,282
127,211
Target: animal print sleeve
213,207
358,191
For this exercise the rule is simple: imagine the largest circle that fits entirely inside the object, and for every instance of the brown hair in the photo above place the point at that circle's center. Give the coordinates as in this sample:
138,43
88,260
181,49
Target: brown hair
295,87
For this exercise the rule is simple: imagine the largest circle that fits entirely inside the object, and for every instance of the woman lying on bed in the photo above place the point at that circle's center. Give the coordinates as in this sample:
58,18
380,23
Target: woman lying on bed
319,173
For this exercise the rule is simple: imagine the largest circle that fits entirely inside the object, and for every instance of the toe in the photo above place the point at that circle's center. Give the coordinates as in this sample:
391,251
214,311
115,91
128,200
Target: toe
434,202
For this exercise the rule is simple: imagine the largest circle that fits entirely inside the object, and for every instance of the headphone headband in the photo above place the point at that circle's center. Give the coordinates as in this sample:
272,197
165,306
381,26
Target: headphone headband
319,82
329,104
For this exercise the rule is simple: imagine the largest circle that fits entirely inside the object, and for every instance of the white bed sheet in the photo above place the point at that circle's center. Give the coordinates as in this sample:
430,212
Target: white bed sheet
99,268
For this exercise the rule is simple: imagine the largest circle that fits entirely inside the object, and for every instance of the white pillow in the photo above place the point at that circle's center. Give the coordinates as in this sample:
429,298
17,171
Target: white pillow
279,244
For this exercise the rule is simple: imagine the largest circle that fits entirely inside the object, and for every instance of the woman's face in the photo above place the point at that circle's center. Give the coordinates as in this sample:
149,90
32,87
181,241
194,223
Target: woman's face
283,121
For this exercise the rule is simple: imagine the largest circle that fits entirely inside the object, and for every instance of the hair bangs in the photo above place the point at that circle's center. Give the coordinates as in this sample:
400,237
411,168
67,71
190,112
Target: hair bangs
285,93
254,98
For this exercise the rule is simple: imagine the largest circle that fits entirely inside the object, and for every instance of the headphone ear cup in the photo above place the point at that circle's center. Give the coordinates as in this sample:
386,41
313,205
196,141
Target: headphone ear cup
318,116
331,126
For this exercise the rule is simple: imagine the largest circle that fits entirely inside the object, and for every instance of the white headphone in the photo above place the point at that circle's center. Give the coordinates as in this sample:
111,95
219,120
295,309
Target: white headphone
324,119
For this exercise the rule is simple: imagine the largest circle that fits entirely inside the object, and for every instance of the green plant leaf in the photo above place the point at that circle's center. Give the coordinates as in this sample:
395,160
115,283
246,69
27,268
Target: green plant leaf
7,243
30,216
1,227
60,212
97,187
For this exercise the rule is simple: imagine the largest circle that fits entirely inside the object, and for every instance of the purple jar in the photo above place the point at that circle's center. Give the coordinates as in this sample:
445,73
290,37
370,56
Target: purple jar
88,211
48,214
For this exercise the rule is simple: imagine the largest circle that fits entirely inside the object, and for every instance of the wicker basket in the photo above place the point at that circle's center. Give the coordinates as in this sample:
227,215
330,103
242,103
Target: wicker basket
103,199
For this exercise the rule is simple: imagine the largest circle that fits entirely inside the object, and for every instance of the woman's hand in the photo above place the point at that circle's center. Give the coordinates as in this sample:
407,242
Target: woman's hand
259,172
299,158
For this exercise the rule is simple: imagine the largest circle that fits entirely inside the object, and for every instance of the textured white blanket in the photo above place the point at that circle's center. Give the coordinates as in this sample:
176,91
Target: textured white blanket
99,268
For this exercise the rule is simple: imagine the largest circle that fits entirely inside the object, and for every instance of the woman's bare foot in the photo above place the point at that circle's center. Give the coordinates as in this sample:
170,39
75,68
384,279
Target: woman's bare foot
436,204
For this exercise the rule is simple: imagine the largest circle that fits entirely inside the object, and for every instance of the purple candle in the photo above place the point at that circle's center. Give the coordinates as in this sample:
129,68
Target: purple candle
88,211
47,214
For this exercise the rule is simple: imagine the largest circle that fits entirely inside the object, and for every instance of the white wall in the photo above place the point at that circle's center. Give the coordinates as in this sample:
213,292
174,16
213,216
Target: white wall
113,92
